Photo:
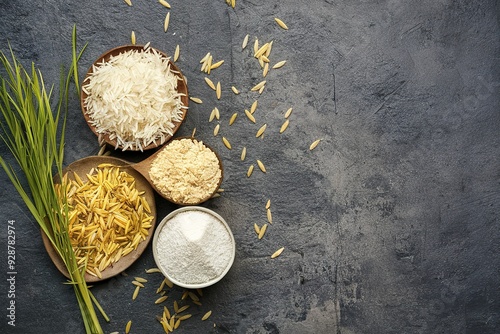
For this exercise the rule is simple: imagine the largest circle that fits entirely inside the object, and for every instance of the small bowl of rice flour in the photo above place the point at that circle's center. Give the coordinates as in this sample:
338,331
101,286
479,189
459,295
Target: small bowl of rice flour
193,247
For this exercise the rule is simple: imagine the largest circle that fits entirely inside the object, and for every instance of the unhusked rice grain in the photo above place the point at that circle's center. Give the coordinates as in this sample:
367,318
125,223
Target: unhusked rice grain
254,106
136,292
259,85
279,64
226,143
269,48
206,315
314,144
261,166
177,52
269,215
243,153
165,4
250,116
262,231
281,23
210,83
218,90
212,115
266,70
196,99
216,65
277,253
261,130
284,126
250,170
167,21
245,42
256,228
233,118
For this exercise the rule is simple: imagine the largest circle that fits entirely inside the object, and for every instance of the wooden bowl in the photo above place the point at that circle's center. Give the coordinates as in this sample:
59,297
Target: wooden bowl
146,167
83,167
181,88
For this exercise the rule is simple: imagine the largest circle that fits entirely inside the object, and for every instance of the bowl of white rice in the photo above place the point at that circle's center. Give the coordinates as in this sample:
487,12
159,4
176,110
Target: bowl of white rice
193,247
134,98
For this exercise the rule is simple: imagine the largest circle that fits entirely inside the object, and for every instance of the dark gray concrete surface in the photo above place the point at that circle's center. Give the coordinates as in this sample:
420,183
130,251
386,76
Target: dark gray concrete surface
391,225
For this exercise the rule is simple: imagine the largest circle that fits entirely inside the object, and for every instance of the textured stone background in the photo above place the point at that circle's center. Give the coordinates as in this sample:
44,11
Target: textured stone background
390,225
